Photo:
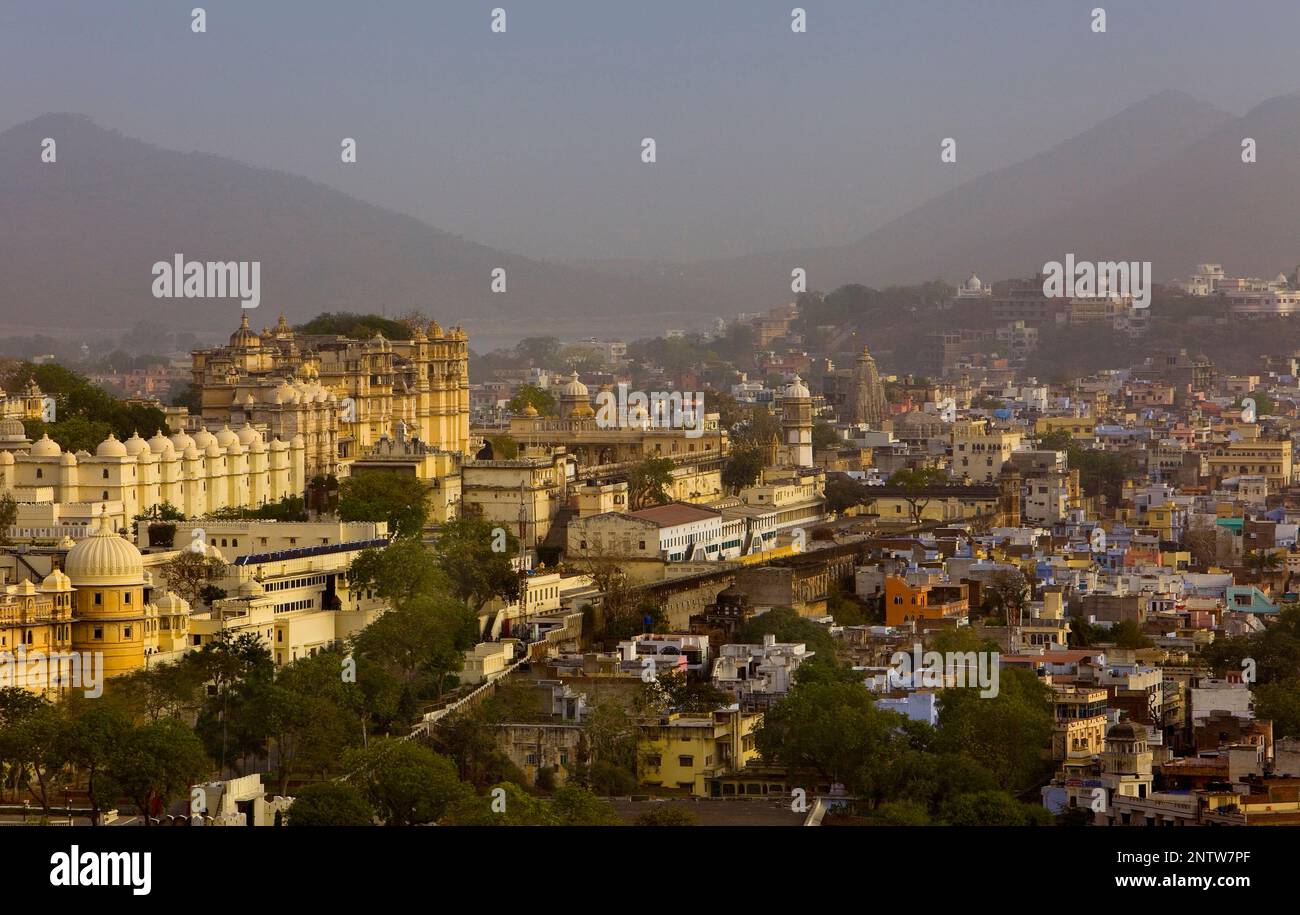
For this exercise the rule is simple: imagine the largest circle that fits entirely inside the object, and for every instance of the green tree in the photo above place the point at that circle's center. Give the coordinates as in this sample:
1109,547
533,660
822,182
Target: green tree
648,481
91,741
330,804
743,468
915,485
834,728
415,646
844,492
8,517
157,762
507,804
304,717
1262,561
1006,734
824,436
574,805
400,501
607,752
355,326
1128,634
992,808
30,744
531,395
1279,702
789,626
902,813
476,571
405,783
398,572
504,448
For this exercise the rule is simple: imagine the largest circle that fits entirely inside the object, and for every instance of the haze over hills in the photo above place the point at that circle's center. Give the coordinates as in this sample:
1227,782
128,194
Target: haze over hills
1161,180
79,238
1008,222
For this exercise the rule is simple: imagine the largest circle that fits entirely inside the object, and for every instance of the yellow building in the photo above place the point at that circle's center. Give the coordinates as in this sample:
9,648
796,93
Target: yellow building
1271,460
110,615
1081,428
522,494
979,449
698,454
35,630
681,751
62,494
340,394
984,503
1079,729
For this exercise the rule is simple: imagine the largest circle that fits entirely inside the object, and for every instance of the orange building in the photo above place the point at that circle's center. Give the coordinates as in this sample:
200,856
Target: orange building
905,601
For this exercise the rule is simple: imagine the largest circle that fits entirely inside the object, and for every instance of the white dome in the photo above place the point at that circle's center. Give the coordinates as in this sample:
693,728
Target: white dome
797,388
203,438
160,444
225,437
135,445
110,447
56,581
573,387
248,435
181,441
46,447
172,604
104,558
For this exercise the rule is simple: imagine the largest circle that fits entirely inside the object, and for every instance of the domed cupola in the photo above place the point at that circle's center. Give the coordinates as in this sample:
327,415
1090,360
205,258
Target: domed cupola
245,337
111,448
104,558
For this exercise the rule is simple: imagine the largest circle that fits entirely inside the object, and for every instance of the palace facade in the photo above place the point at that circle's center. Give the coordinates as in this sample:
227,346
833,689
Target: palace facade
341,395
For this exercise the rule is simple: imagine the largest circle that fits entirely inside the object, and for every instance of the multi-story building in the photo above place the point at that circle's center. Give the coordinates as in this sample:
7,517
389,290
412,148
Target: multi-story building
683,751
297,601
341,395
523,494
1079,728
1269,459
60,493
758,675
924,597
979,449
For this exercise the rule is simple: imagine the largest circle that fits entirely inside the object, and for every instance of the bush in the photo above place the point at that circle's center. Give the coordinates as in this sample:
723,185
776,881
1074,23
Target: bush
330,804
667,815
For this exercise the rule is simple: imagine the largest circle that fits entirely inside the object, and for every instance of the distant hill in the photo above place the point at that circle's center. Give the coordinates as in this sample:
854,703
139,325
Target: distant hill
1134,185
1161,180
79,238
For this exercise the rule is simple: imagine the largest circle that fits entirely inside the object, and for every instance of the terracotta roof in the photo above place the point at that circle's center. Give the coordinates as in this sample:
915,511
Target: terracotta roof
674,513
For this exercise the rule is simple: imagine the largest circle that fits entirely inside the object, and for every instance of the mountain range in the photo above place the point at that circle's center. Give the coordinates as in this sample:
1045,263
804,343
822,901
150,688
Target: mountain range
1162,180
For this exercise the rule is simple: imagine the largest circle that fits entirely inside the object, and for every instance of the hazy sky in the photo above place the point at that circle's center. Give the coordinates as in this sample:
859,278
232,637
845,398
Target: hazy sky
530,140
